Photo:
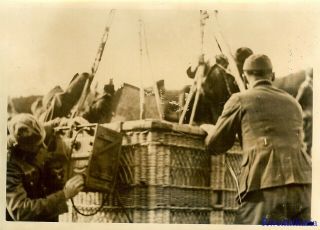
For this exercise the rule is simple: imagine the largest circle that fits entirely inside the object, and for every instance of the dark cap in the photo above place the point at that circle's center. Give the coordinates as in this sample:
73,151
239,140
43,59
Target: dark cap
257,62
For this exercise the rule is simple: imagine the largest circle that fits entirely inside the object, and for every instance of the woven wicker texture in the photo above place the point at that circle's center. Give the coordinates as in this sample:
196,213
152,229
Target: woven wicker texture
164,177
223,183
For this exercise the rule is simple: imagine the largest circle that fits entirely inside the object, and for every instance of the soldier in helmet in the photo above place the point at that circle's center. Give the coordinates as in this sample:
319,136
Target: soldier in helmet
241,55
217,87
275,178
27,197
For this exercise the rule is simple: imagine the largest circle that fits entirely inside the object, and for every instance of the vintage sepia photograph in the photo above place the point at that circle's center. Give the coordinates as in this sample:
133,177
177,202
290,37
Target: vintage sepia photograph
159,112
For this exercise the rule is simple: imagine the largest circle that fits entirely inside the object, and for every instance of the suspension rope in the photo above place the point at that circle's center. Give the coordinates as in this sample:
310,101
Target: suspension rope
103,42
218,35
201,68
142,99
156,91
203,17
95,66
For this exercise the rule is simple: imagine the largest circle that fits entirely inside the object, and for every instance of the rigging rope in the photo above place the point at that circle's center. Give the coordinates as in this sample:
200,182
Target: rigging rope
95,66
218,35
103,42
156,91
142,100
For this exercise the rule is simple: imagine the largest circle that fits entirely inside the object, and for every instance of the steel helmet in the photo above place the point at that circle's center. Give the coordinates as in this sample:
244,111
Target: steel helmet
242,54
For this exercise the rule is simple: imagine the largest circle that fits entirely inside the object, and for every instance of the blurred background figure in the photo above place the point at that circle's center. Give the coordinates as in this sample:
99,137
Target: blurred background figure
305,99
240,56
100,110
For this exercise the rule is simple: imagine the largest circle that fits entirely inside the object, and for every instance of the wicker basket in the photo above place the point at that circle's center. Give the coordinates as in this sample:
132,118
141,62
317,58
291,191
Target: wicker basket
164,177
224,185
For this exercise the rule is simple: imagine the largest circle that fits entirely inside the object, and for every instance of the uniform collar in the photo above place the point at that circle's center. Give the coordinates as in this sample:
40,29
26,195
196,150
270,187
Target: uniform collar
261,82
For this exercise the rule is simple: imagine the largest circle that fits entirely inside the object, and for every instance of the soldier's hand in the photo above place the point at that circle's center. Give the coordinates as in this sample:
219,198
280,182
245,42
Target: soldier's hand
73,186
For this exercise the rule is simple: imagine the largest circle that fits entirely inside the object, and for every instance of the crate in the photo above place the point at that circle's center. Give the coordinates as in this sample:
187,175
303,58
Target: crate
164,177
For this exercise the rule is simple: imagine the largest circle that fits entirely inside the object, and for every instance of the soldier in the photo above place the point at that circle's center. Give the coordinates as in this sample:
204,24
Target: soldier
61,103
218,86
275,179
27,197
240,56
100,111
305,98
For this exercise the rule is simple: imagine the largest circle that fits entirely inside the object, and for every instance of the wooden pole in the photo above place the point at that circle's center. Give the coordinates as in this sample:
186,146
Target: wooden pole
196,87
186,106
94,67
233,66
155,87
199,76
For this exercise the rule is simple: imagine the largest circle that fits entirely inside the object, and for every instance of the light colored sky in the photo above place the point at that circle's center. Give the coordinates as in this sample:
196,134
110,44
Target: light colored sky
44,44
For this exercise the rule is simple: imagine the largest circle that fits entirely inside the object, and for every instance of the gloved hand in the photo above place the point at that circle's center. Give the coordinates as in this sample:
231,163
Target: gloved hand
73,186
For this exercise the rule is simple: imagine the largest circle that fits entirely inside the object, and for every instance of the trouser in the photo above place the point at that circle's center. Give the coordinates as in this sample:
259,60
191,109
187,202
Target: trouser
274,205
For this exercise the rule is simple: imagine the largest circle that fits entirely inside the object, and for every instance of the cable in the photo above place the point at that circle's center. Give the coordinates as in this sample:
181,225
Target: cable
152,74
116,193
234,177
105,198
95,66
105,195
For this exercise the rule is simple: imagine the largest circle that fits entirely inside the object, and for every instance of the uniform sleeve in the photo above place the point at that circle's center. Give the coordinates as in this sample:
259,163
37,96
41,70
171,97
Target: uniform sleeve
22,208
222,137
64,102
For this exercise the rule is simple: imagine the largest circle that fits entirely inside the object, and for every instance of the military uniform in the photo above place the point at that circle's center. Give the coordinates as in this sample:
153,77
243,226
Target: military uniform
62,103
27,196
275,170
218,87
305,98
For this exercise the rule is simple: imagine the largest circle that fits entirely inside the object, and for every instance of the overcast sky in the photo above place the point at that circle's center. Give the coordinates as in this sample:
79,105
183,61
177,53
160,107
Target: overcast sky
44,44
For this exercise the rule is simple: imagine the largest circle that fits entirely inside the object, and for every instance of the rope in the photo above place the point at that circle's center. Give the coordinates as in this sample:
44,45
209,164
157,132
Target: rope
203,17
103,42
195,88
156,91
95,65
221,34
105,195
218,32
122,206
142,101
234,177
